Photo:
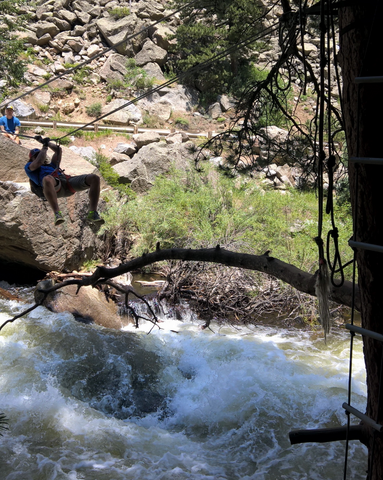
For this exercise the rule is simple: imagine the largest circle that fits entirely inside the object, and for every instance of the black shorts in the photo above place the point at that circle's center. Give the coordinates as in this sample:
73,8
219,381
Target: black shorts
77,183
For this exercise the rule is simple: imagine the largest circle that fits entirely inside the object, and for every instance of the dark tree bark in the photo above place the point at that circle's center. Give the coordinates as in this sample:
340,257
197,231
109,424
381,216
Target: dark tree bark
361,42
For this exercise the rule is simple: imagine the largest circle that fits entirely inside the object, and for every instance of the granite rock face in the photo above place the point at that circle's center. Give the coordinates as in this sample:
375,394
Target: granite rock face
29,237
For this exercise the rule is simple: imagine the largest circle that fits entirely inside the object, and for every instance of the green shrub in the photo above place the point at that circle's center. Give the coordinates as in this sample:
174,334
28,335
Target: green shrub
68,65
136,77
119,12
81,75
152,121
182,122
94,110
115,84
111,177
65,141
144,82
91,134
43,107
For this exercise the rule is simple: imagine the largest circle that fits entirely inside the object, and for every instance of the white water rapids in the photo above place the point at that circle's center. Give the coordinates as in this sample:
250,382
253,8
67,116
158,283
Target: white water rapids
221,404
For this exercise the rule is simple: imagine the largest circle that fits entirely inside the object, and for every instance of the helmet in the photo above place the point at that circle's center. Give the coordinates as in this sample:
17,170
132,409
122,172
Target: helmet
34,152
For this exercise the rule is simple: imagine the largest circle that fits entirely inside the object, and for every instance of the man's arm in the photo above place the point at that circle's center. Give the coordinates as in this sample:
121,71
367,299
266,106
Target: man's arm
41,157
56,159
39,160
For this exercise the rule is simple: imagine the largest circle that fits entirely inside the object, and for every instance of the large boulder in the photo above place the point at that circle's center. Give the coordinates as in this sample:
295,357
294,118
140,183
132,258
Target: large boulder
181,98
23,110
153,160
161,35
151,9
153,70
116,31
42,28
13,157
29,237
114,68
89,305
129,114
142,139
151,53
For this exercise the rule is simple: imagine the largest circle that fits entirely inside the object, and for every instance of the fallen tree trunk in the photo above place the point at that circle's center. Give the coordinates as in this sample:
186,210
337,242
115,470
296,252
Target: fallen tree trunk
302,281
299,279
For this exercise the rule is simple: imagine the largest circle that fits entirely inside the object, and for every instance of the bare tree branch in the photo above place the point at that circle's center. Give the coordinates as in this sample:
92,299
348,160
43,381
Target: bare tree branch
299,279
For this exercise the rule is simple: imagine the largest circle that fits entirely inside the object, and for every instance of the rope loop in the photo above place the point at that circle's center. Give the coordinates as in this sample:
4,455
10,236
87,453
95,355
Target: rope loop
337,260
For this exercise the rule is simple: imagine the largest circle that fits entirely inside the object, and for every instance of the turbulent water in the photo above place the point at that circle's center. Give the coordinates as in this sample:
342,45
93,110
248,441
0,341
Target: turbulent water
84,402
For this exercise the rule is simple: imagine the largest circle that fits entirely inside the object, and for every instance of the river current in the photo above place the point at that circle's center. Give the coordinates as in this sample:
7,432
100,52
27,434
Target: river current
85,402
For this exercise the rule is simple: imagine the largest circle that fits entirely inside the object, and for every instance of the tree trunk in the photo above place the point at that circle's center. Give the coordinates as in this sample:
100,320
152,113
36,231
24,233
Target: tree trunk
361,41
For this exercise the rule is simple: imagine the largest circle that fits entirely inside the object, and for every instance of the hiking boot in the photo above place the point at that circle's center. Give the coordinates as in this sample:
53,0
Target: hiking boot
59,219
94,217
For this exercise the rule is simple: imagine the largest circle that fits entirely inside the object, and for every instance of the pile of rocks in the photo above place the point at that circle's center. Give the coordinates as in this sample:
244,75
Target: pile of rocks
64,32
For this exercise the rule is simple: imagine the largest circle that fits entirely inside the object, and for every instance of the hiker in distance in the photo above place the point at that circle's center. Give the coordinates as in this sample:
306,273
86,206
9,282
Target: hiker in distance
56,184
10,125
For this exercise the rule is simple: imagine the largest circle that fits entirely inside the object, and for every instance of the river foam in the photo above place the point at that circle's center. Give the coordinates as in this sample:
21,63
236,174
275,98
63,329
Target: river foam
227,399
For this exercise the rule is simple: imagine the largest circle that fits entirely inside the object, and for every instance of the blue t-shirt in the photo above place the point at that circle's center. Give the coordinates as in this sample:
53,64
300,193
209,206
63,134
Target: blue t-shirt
38,174
10,124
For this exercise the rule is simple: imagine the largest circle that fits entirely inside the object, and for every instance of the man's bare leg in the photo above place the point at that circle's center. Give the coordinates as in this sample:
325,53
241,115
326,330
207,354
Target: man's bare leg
50,194
94,191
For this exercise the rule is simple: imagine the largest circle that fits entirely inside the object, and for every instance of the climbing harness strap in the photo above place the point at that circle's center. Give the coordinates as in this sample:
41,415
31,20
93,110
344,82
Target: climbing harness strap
59,174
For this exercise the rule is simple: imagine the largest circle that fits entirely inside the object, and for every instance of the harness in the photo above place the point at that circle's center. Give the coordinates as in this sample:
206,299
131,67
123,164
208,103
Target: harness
57,173
38,189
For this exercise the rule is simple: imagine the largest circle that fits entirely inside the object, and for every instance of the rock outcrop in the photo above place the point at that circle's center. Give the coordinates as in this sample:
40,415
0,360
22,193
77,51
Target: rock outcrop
89,305
152,160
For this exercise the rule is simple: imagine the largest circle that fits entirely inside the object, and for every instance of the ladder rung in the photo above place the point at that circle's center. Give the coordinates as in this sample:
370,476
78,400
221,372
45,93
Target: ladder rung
368,160
364,332
369,80
366,246
362,417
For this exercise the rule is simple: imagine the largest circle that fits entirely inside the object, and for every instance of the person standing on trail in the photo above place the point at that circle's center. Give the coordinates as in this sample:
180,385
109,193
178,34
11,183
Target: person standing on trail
56,184
10,125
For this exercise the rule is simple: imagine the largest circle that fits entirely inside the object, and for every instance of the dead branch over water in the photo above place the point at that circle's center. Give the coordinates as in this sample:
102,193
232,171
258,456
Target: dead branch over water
227,289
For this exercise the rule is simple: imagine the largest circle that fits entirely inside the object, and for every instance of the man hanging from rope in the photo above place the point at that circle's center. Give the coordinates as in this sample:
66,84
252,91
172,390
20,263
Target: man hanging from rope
56,184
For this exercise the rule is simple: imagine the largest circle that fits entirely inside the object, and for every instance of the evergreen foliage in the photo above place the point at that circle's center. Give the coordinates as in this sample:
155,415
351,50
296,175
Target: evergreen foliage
12,67
211,26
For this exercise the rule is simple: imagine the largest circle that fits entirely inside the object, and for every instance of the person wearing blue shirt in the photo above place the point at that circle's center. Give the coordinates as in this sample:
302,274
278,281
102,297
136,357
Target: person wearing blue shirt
10,125
56,184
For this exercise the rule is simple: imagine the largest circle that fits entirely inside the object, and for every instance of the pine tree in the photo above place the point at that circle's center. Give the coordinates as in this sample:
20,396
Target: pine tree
210,27
12,67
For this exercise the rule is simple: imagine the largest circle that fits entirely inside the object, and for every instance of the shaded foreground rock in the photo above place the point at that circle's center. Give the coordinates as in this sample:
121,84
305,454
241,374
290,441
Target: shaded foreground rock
28,235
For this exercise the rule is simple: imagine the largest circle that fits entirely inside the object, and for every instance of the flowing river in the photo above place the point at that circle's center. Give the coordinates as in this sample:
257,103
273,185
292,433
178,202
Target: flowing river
85,402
